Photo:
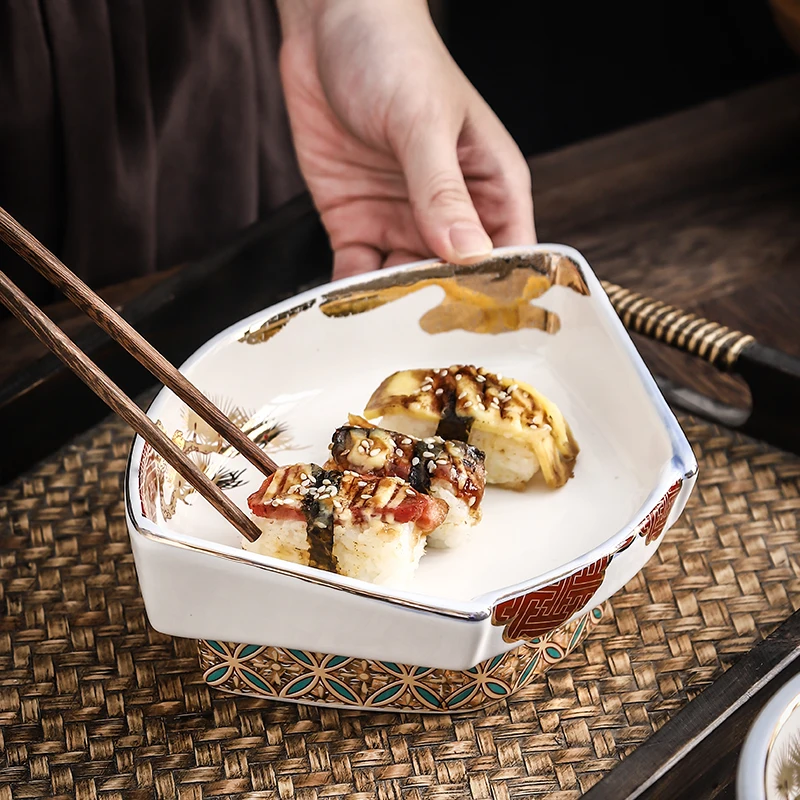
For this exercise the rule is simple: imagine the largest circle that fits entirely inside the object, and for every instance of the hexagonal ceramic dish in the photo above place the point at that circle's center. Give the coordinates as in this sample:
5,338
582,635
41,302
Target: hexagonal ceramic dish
541,559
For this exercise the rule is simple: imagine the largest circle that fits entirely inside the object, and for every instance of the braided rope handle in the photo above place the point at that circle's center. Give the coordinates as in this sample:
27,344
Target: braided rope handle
715,343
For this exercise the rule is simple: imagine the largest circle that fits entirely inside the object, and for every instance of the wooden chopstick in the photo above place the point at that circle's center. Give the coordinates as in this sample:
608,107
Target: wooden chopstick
51,335
38,256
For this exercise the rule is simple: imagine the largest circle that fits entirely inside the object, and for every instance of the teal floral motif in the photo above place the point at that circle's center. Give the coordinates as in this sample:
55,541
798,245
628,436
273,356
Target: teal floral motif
234,667
488,684
407,688
321,679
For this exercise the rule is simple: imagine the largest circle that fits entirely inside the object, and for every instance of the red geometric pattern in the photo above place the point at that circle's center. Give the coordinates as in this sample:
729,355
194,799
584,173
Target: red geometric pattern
536,613
654,522
625,545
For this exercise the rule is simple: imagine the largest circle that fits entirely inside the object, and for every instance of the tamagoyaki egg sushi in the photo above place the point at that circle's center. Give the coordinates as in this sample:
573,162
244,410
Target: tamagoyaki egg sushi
519,430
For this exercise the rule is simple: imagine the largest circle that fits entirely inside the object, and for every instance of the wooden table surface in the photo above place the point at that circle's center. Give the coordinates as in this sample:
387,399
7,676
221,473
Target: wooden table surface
700,209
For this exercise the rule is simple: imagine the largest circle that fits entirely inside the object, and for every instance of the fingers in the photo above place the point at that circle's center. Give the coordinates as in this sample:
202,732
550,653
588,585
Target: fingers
499,177
442,206
404,257
358,259
355,259
514,209
519,227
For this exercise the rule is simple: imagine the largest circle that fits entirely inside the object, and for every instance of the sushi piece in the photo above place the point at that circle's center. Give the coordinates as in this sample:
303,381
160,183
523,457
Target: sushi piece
520,431
368,527
448,470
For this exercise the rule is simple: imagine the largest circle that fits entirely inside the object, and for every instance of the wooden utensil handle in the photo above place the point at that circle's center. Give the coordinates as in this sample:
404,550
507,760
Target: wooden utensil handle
715,343
22,242
56,340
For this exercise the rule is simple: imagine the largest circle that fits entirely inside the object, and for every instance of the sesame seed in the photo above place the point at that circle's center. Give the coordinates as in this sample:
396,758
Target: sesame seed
374,452
480,378
326,482
499,376
513,387
429,440
304,490
459,376
304,476
431,466
471,501
345,453
439,391
443,372
415,461
366,496
409,491
428,454
398,452
441,461
468,404
481,406
362,483
407,441
337,504
462,395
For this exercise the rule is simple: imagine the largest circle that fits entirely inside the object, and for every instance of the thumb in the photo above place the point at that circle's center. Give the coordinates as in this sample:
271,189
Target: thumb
442,206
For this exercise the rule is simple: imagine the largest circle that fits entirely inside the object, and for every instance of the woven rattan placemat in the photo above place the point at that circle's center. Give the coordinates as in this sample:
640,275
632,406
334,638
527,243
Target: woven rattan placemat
95,704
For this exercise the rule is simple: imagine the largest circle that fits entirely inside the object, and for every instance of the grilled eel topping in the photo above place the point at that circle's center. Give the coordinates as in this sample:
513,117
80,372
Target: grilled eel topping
364,448
321,497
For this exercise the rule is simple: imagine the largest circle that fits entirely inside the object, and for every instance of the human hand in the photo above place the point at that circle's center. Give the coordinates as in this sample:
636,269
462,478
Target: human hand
402,156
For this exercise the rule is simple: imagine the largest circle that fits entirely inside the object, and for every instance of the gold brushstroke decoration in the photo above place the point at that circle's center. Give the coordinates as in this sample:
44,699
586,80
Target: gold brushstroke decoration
786,777
264,332
494,297
488,298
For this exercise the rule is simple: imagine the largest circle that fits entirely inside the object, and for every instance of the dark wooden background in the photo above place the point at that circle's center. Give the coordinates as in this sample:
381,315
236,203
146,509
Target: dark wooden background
698,206
558,73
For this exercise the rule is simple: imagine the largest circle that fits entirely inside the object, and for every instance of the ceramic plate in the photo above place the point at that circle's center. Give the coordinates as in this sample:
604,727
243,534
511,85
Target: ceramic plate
291,374
769,765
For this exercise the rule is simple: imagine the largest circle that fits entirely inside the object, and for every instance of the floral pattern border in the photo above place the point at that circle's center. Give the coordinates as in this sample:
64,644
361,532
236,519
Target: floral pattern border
321,679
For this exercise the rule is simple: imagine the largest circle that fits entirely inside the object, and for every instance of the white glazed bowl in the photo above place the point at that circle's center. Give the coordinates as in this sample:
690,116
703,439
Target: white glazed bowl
539,559
769,764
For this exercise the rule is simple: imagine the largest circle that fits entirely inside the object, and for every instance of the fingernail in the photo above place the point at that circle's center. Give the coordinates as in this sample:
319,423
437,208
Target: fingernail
469,240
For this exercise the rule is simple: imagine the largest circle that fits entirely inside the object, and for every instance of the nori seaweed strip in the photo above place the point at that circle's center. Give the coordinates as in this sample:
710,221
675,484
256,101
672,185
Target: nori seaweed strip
451,426
319,523
419,477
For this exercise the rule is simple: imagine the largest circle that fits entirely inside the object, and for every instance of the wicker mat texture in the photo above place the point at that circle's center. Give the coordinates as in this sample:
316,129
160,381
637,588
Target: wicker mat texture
95,704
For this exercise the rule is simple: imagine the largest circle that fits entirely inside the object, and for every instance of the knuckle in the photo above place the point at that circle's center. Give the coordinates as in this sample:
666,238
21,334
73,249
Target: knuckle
446,190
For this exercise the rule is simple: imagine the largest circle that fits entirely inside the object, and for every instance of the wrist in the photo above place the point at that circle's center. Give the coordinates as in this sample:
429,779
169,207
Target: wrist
298,16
